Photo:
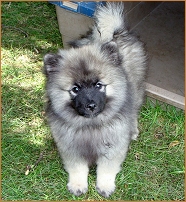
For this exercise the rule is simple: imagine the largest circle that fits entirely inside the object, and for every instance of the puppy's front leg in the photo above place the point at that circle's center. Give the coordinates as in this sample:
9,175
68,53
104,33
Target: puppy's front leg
78,174
106,173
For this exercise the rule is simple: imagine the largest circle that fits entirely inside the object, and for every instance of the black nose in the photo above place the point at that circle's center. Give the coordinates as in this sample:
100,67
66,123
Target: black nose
91,106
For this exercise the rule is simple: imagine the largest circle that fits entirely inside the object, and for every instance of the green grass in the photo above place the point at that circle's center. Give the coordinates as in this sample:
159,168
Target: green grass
154,168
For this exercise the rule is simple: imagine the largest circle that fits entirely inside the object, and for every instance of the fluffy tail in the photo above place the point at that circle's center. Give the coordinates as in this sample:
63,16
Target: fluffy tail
109,21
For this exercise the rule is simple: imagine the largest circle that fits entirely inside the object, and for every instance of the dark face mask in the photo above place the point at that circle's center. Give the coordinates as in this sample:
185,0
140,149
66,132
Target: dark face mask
89,101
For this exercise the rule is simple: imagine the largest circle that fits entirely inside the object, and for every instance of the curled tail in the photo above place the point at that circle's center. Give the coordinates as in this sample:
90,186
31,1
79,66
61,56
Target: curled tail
109,21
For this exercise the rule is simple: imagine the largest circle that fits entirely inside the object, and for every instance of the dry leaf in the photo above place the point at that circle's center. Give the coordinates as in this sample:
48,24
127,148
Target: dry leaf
174,143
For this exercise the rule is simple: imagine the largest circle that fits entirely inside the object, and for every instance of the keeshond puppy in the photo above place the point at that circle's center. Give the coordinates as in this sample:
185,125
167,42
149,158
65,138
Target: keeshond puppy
95,90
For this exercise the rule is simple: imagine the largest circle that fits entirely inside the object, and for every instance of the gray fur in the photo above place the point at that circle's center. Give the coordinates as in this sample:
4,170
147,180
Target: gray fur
116,58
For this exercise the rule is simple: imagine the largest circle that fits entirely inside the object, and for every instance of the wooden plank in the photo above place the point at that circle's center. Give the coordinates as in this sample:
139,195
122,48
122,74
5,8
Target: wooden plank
165,96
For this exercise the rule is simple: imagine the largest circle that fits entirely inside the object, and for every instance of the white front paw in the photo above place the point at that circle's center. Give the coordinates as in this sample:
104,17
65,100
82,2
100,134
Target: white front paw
105,188
77,188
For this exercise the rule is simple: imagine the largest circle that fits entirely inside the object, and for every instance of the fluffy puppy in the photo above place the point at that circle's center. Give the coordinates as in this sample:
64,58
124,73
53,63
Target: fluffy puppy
94,93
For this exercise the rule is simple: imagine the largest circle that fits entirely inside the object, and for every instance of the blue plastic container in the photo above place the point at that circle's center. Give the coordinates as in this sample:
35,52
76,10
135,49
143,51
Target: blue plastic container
85,8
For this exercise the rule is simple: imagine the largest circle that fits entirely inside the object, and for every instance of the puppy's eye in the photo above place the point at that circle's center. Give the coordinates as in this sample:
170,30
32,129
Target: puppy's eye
75,89
99,85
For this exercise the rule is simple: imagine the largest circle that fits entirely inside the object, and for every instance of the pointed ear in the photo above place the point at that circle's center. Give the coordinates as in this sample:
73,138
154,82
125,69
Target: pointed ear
110,49
51,63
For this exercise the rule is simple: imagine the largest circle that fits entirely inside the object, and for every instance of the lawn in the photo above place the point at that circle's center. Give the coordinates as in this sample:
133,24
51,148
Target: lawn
154,168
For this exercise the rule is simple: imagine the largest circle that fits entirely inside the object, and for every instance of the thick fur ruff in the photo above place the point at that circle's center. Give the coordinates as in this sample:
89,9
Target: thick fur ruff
115,60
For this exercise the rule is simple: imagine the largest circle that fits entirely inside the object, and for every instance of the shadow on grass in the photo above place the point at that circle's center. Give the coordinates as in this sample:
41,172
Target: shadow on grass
24,129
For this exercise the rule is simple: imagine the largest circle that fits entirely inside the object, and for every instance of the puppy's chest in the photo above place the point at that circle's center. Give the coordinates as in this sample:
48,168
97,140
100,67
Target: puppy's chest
93,142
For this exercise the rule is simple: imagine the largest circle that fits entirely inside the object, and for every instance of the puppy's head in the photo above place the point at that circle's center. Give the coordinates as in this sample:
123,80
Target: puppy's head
85,82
